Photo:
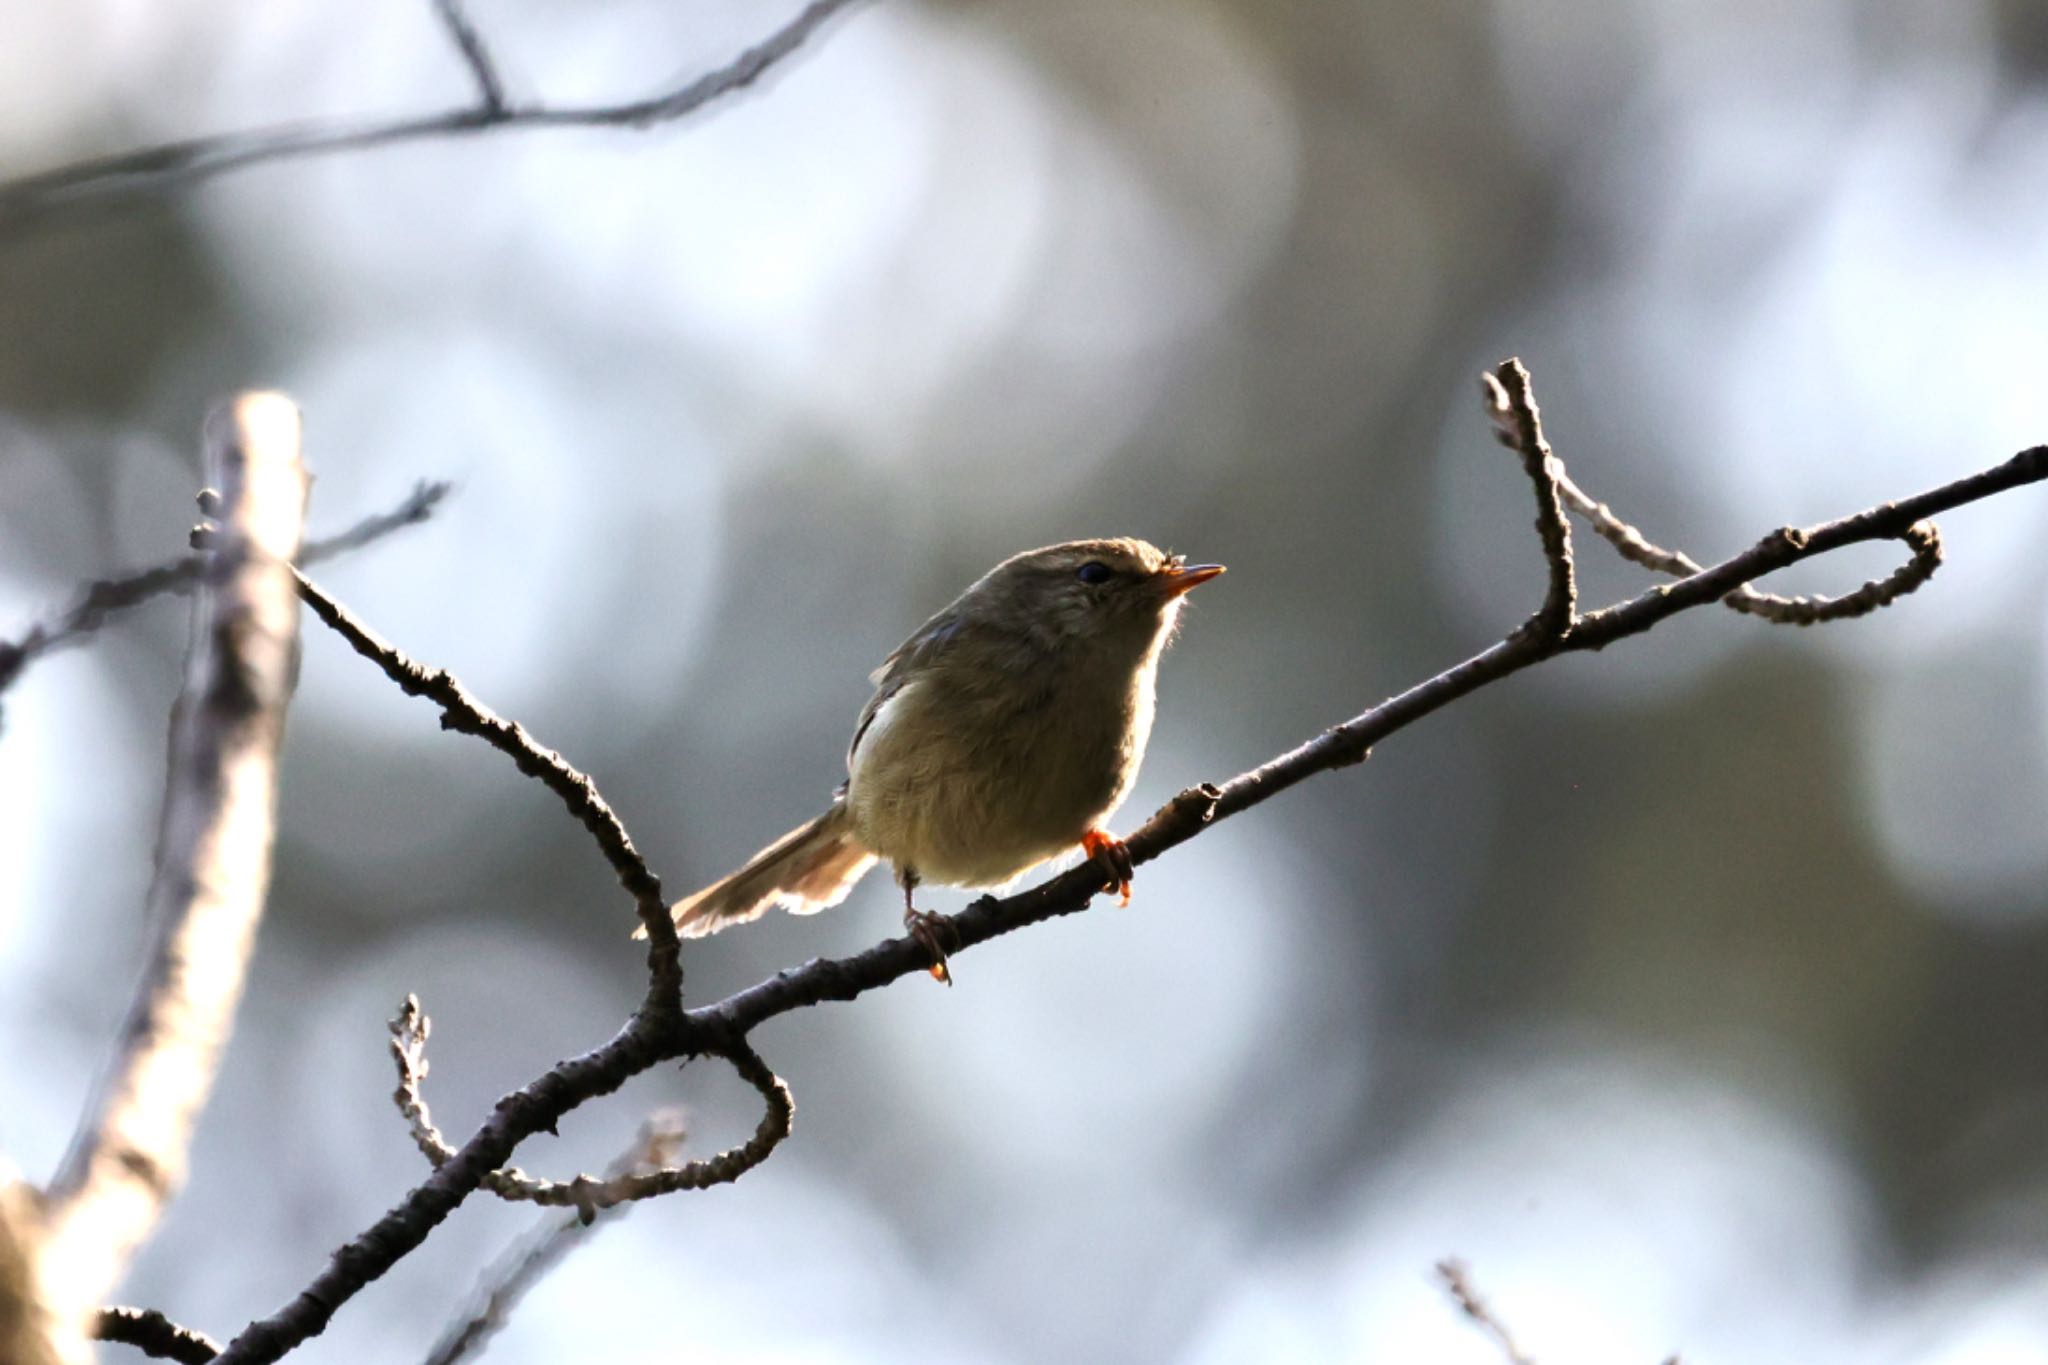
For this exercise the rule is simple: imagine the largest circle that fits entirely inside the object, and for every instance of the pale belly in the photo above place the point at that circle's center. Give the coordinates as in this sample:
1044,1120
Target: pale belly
981,796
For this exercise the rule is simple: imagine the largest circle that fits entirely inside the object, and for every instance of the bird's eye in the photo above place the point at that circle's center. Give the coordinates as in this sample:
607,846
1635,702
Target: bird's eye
1094,572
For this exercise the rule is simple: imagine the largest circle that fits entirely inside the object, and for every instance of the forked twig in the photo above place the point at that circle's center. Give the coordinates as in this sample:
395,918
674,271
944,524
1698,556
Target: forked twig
98,600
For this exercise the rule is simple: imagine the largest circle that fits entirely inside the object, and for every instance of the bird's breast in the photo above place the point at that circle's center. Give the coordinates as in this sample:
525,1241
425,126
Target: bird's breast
971,780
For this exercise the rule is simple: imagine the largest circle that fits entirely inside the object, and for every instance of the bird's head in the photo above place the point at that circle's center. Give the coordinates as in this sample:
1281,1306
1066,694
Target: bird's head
1118,595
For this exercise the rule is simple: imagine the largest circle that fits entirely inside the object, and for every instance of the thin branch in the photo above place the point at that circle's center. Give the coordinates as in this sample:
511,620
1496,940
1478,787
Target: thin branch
409,1032
490,88
587,1194
722,1028
419,504
460,711
179,164
1457,1281
1632,545
153,1334
1519,425
527,1262
212,868
100,599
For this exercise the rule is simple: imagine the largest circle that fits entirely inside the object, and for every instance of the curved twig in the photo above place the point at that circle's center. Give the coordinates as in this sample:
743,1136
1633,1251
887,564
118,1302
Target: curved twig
588,1195
1922,538
585,1193
463,712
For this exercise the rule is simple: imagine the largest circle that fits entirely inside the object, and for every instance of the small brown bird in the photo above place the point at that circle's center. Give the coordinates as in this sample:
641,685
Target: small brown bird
1003,733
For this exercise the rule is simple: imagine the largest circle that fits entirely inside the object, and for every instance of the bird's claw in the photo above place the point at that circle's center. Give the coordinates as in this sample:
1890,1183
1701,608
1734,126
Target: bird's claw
1115,857
931,932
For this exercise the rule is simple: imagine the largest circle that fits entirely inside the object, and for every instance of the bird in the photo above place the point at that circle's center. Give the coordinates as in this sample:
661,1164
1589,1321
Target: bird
1003,733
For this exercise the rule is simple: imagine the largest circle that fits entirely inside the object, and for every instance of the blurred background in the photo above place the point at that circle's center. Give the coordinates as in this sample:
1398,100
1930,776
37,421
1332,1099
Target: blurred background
1692,992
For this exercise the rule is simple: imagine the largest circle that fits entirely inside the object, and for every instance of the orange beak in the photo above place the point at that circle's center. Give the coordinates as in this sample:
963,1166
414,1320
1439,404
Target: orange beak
1179,578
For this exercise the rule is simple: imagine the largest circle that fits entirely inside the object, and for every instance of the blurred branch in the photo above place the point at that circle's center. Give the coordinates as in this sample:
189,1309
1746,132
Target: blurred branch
505,1283
490,88
25,1326
175,165
98,600
212,864
656,1034
460,711
153,1334
1457,1282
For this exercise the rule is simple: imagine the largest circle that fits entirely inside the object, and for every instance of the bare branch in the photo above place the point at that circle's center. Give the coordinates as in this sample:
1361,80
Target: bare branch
1519,426
153,1334
176,165
490,88
212,869
419,504
1632,545
98,600
409,1032
1458,1283
507,1280
460,711
587,1194
651,1038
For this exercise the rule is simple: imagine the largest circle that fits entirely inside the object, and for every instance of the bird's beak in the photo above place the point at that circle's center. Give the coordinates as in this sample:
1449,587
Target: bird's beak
1179,578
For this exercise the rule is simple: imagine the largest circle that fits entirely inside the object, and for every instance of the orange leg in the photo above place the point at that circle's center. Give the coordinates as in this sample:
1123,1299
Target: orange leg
928,929
1107,849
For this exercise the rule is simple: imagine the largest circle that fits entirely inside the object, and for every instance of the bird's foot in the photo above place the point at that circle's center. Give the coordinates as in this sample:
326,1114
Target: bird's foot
932,932
1108,850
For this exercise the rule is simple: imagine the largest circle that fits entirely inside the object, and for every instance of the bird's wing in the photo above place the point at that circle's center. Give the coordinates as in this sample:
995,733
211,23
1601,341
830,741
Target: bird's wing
899,668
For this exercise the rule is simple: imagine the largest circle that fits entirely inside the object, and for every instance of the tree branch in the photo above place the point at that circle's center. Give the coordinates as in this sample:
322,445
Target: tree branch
1519,426
651,1038
212,867
179,164
460,711
153,1334
586,1194
490,88
1630,543
98,600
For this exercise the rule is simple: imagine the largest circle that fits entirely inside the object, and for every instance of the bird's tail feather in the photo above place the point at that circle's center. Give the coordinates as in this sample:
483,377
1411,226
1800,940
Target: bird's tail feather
807,869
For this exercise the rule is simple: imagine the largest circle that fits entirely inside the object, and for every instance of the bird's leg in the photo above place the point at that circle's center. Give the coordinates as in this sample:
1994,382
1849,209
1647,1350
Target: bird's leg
1107,849
927,928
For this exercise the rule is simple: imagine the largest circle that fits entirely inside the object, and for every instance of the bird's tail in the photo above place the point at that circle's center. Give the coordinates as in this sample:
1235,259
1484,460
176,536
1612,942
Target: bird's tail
807,869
